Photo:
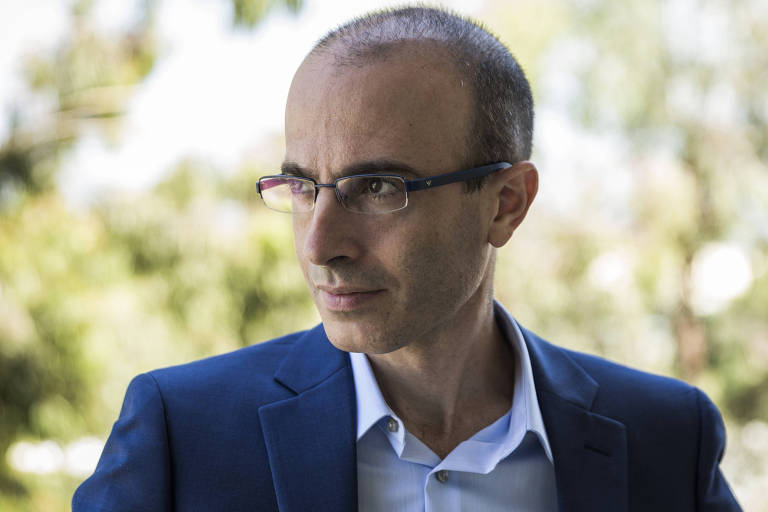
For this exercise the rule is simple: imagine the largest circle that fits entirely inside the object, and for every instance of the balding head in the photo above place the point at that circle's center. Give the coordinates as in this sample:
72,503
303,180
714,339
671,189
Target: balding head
502,125
413,87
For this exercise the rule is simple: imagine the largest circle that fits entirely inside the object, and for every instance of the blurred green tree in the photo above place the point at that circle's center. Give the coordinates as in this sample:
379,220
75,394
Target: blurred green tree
76,288
688,111
663,263
195,266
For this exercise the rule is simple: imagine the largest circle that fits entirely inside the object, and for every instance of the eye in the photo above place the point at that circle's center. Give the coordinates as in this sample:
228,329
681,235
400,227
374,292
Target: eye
372,194
375,186
379,186
298,186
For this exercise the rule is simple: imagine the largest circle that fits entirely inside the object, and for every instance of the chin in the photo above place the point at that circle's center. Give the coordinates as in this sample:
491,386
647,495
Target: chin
354,338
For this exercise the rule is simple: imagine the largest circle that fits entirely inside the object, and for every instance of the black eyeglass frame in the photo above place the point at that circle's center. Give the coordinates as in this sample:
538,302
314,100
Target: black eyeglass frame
427,183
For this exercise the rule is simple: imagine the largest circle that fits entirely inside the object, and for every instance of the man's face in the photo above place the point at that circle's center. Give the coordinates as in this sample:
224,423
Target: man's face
382,282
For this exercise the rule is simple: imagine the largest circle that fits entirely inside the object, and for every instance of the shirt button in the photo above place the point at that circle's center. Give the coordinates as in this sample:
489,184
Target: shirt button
392,425
442,476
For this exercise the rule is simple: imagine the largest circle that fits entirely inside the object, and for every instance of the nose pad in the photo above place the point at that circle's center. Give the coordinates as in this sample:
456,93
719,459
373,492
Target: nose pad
334,195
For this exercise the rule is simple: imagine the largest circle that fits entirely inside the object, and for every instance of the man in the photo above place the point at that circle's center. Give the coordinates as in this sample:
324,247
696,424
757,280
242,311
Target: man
407,139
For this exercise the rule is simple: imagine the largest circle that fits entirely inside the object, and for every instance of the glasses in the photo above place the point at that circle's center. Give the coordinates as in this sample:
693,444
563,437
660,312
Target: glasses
359,193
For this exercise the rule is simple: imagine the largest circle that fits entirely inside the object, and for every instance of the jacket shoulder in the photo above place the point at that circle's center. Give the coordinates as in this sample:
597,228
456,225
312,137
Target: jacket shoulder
611,389
658,411
673,430
247,370
622,385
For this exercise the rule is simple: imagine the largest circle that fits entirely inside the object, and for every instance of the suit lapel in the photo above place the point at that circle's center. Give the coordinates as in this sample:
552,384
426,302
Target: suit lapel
589,450
310,437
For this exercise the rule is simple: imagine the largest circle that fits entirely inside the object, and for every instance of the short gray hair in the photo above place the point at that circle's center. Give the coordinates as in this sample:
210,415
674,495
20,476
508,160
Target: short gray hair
503,124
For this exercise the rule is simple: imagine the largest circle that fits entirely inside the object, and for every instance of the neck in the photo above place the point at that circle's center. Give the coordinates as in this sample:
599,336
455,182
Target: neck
449,387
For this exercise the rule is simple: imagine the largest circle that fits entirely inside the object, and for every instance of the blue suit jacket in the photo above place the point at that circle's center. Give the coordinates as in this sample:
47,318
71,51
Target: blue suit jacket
272,427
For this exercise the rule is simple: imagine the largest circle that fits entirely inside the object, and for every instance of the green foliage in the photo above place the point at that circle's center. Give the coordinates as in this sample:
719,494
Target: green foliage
684,92
179,273
248,13
28,167
159,279
196,266
88,80
43,268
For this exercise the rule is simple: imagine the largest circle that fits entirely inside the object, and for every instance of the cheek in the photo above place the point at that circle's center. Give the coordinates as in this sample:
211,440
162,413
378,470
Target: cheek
443,262
299,236
434,265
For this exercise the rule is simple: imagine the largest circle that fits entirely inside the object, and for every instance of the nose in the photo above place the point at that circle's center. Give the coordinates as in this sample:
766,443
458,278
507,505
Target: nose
329,233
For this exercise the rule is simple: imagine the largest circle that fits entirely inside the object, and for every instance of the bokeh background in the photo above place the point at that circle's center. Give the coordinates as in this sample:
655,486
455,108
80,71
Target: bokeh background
131,236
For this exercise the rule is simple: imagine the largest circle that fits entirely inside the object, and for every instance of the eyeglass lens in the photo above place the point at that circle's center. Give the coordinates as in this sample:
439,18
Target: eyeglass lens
287,194
361,194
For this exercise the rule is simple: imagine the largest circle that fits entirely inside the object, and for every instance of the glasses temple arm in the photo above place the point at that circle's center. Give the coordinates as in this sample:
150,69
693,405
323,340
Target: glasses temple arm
453,177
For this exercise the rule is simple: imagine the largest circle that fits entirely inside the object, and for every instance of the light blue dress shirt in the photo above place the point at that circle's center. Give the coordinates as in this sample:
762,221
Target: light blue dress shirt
505,466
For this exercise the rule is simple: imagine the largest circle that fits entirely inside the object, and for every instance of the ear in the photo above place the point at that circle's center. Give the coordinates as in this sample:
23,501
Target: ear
514,189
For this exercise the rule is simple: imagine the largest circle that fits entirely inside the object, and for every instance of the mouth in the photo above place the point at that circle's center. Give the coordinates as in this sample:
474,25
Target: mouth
345,299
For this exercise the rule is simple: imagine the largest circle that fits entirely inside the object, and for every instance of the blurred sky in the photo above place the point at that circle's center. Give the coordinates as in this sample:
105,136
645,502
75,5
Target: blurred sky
202,100
217,95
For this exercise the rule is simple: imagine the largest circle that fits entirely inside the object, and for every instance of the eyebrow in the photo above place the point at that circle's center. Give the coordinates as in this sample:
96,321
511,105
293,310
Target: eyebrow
381,165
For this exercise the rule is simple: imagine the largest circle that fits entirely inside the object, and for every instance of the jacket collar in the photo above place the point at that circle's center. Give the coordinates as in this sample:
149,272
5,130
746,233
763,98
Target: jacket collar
310,437
589,450
558,374
312,360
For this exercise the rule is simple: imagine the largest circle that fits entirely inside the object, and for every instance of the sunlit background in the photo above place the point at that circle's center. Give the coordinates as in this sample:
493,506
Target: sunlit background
131,236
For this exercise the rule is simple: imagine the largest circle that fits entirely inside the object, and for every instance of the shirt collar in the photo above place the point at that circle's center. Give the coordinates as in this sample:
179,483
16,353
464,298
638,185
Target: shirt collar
527,394
371,406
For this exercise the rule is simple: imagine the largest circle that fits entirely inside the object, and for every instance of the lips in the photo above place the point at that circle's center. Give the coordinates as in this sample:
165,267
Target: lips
347,298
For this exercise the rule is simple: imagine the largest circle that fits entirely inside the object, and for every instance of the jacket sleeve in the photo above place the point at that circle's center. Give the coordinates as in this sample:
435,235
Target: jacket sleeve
133,473
714,495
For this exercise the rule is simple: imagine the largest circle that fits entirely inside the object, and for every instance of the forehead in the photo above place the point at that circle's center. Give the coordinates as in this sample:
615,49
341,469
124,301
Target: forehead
410,106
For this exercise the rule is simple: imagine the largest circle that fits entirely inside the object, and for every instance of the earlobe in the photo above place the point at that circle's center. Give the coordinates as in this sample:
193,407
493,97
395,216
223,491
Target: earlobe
515,190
